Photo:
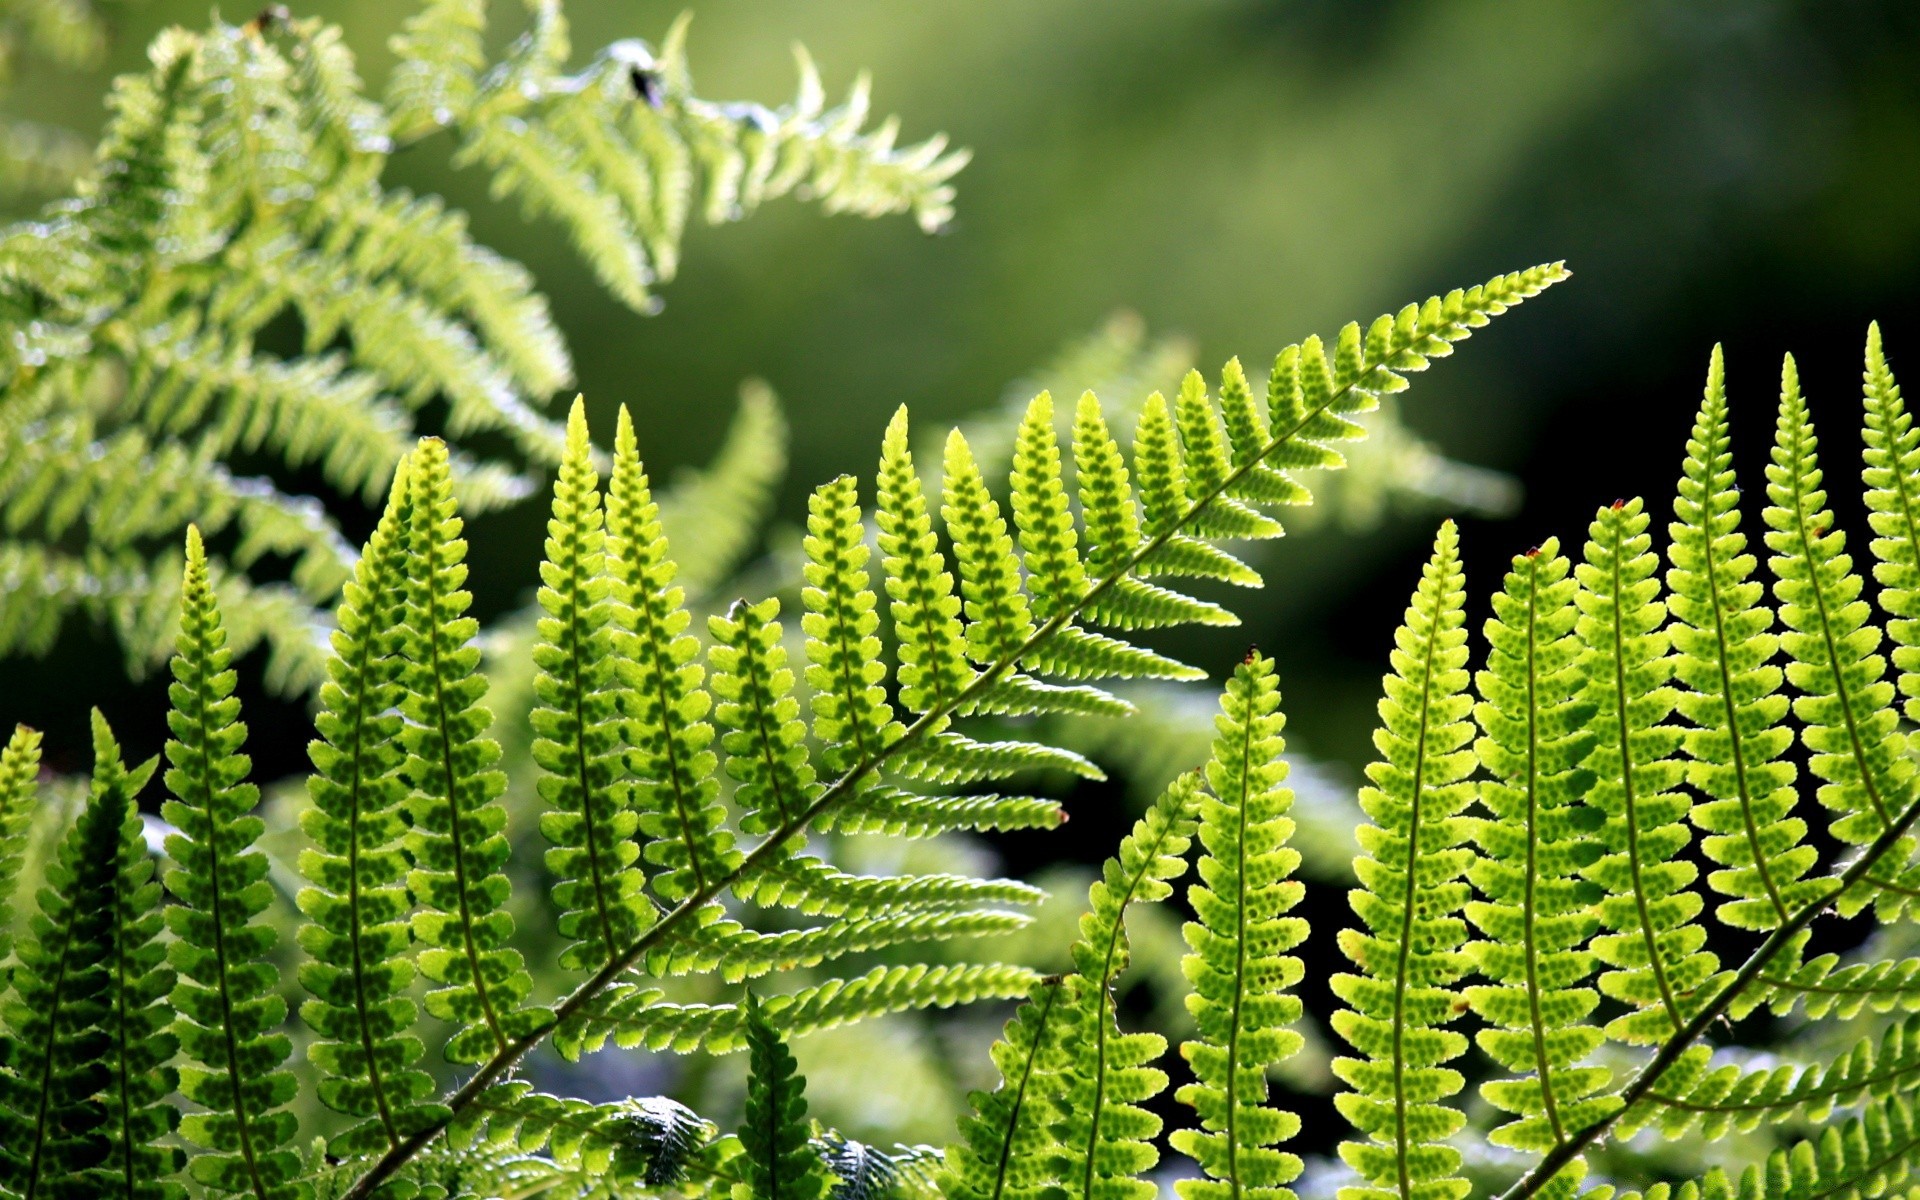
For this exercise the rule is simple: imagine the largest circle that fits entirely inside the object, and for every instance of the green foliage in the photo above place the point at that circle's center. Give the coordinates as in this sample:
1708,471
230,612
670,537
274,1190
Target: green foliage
1409,899
781,1162
239,185
1242,977
19,770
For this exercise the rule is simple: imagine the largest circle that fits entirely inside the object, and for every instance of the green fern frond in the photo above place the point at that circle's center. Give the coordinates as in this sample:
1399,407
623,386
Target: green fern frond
736,953
1830,985
1242,976
863,1172
19,789
781,1161
765,740
1845,702
576,723
1723,651
58,1127
357,907
852,719
1893,510
1104,1137
1660,967
1873,1154
816,888
1410,896
457,843
1538,913
931,643
230,1013
714,515
664,702
1007,1140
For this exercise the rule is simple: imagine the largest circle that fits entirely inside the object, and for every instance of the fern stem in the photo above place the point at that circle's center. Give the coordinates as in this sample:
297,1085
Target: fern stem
1752,971
771,848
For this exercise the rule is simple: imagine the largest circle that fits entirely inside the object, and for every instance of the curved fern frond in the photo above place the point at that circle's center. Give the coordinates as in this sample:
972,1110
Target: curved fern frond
1873,1154
140,1043
230,1013
1845,702
457,843
1007,1139
1242,976
19,778
1661,969
1832,986
663,700
1893,511
576,724
357,907
781,1161
1409,899
1105,1139
1723,650
1538,913
59,1128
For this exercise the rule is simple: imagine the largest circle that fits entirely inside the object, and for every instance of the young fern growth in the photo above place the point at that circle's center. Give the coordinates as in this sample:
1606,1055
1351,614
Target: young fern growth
1241,974
1409,899
457,843
360,955
68,1113
230,1014
1660,969
576,724
1538,914
1892,479
1723,652
19,777
781,1162
1846,704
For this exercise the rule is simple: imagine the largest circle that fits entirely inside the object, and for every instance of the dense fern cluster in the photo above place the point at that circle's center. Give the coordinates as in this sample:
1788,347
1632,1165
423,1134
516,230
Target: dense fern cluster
901,719
239,181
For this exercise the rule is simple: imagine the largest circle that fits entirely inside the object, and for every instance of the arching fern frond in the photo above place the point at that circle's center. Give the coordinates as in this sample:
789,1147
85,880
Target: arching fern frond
1539,913
1893,511
1870,1155
1409,899
1242,977
1007,1141
229,1011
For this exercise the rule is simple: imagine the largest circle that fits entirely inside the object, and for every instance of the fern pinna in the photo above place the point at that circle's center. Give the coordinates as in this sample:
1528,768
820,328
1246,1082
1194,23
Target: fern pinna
649,736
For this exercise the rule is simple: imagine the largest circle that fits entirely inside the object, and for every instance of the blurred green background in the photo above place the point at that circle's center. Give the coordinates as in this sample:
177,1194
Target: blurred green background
1239,173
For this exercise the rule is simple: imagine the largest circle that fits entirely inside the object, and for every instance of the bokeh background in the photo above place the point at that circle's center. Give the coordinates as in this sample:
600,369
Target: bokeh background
1241,173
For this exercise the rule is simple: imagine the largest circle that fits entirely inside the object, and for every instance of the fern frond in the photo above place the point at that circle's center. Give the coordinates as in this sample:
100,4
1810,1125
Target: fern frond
818,889
863,1172
714,515
357,907
1831,986
1007,1140
577,728
19,788
1538,914
1242,976
765,740
664,703
1723,651
1105,1139
931,643
852,719
1845,703
1713,1103
457,843
736,953
229,1011
1873,1154
781,1161
140,1044
1660,967
1893,511
59,1129
1410,896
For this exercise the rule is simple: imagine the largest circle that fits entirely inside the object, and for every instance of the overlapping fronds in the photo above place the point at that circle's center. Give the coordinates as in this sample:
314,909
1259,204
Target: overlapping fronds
1242,977
230,1013
239,185
1538,914
1410,896
357,905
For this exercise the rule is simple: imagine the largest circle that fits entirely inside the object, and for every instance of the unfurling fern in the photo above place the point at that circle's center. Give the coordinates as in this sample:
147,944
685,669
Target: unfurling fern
239,184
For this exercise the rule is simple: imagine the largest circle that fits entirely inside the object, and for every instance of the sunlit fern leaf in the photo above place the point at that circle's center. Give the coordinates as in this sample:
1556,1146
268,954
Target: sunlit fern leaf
863,1172
657,1138
1661,970
1104,1138
1409,899
765,740
230,1014
714,515
931,643
894,812
19,778
664,701
1830,985
648,1142
1714,1102
1007,1141
816,888
57,1127
1893,511
736,953
1873,1154
852,719
1723,650
360,963
1049,544
1538,913
141,1160
457,843
1845,702
781,1161
576,723
1242,977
